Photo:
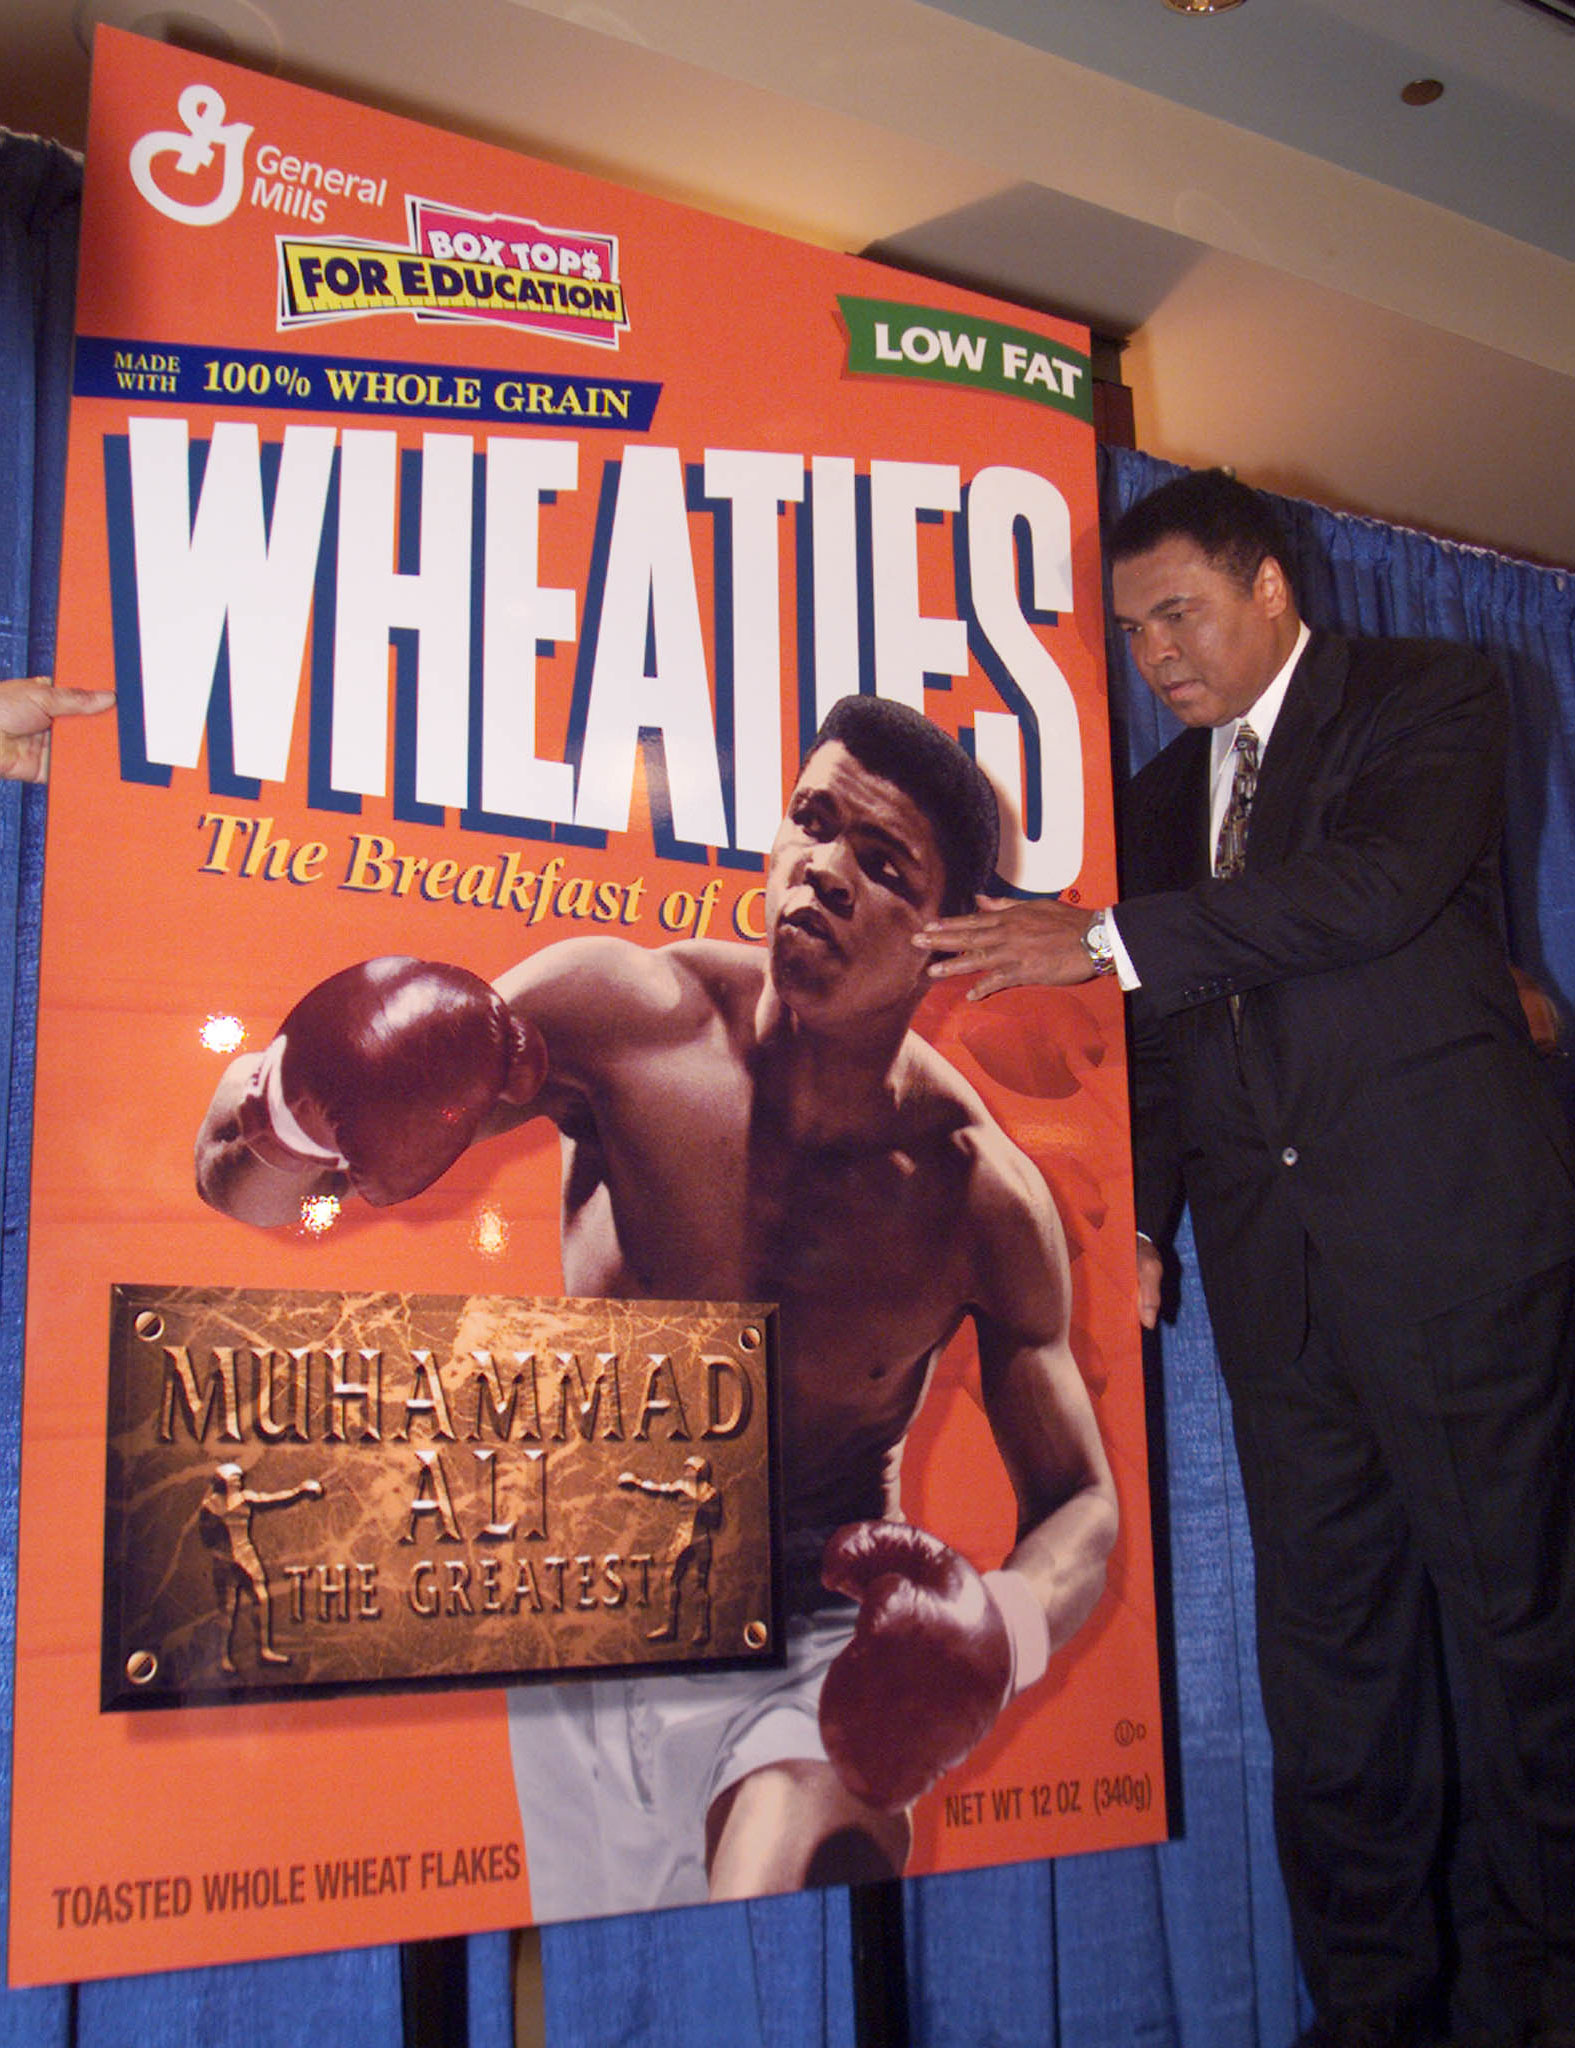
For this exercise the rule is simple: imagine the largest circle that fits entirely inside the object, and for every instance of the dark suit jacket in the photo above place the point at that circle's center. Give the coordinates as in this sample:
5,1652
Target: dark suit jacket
1383,1099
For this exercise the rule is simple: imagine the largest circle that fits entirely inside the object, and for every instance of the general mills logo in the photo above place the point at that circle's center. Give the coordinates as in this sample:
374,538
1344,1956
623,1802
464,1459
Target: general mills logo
206,130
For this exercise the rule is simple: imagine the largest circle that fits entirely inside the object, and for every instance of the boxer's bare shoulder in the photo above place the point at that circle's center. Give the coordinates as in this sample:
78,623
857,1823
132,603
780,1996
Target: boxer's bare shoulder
1009,1212
630,1022
1017,1226
596,994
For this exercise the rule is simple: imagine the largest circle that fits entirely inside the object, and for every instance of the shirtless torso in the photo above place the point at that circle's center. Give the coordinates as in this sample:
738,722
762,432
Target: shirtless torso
687,1175
748,1125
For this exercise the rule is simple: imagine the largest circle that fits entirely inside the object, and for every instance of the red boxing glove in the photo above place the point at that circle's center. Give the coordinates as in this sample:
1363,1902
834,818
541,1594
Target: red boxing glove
387,1070
927,1671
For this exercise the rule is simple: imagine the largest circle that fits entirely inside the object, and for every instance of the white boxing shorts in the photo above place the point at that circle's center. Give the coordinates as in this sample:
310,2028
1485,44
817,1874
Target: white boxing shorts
616,1776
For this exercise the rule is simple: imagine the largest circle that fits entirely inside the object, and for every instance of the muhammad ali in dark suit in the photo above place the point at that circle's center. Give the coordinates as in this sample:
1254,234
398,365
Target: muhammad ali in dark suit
1331,1063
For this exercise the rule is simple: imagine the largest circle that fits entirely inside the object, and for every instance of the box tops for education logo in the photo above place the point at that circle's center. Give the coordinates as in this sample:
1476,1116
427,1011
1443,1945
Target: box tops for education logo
495,268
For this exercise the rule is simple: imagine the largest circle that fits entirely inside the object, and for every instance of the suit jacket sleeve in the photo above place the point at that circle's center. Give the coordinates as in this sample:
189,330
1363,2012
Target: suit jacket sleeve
1156,1156
1381,790
1162,844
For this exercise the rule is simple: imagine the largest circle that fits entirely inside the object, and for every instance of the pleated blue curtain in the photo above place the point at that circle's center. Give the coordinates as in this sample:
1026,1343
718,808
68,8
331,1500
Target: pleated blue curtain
1185,1946
775,1973
39,192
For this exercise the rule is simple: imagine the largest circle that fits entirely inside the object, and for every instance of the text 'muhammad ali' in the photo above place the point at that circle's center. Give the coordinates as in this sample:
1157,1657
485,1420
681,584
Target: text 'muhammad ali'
312,1490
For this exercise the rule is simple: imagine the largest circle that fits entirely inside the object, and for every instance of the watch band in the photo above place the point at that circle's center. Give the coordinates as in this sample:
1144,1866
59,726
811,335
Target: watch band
1097,945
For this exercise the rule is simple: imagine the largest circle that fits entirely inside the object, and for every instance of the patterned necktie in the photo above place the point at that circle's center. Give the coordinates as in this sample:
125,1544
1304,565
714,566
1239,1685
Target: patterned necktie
1230,855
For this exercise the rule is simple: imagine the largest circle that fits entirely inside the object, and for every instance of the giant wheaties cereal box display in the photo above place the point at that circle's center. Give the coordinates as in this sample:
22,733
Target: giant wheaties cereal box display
565,1372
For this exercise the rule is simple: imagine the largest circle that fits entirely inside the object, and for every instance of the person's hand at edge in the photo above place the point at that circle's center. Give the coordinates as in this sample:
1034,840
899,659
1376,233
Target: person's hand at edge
29,705
1150,1280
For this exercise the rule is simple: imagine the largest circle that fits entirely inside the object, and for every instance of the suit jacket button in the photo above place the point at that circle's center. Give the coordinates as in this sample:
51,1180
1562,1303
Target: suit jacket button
1289,1156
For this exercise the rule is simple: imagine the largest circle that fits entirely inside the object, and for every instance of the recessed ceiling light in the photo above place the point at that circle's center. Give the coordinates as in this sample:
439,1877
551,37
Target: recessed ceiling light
1422,92
1202,6
234,30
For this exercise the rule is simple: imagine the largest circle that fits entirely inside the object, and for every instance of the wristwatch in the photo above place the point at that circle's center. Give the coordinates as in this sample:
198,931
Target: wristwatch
1097,944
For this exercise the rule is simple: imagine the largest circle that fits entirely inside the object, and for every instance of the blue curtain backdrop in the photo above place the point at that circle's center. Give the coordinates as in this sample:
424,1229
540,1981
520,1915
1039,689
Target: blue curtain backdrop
1186,1946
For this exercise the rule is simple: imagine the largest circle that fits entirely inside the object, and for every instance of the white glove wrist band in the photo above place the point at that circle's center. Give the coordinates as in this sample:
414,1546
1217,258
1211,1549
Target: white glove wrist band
268,1085
1026,1626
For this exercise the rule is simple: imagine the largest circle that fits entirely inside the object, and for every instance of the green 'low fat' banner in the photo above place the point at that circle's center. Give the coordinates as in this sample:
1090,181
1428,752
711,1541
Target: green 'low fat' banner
889,339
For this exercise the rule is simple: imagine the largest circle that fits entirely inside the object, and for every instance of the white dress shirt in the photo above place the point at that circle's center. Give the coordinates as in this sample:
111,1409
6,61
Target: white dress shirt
1261,716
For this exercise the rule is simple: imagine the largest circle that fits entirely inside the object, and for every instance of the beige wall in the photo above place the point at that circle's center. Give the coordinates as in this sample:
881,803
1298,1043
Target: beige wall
1319,395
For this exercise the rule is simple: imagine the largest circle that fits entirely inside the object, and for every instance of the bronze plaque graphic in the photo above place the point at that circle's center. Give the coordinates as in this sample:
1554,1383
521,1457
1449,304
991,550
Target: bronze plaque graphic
314,1490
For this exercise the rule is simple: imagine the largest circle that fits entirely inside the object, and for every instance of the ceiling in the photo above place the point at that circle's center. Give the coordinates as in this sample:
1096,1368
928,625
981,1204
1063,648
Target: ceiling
1325,76
1347,296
